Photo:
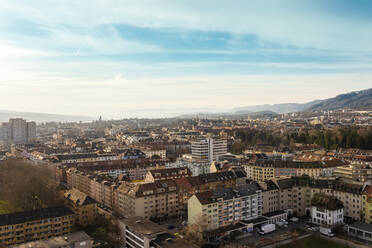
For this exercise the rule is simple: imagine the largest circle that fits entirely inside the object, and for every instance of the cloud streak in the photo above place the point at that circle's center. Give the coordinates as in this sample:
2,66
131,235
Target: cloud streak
186,54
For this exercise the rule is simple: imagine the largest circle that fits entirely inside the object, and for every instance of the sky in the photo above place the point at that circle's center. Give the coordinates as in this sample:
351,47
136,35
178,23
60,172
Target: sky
120,59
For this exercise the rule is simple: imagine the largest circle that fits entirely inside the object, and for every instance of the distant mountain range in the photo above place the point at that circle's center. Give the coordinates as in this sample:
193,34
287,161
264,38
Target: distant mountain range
231,115
5,115
277,108
358,100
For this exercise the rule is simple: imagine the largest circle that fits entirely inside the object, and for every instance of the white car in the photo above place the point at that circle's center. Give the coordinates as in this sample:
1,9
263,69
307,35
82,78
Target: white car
284,221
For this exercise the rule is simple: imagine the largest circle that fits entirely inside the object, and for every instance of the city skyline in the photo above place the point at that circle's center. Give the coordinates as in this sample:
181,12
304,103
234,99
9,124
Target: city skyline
125,59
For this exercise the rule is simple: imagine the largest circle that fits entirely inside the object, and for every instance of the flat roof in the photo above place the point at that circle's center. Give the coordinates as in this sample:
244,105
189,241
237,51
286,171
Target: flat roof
229,228
362,226
56,242
143,226
38,214
167,240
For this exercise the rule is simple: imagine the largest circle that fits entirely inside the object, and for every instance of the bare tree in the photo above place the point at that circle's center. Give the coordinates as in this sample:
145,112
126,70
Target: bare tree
27,186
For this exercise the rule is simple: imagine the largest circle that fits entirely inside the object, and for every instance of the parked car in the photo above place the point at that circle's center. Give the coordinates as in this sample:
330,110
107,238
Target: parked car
326,231
268,228
284,221
294,219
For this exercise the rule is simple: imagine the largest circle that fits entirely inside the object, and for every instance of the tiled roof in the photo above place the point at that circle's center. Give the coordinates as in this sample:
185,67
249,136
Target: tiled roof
228,193
326,202
78,198
297,164
170,172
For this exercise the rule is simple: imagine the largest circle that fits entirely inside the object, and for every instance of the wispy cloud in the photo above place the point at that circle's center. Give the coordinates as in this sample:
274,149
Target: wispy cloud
110,56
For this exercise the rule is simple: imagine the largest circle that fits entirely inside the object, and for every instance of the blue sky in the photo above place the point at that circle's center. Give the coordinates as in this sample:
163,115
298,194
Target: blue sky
162,58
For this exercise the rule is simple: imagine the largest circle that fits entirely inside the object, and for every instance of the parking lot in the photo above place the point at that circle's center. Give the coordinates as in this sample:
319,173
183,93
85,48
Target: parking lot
278,234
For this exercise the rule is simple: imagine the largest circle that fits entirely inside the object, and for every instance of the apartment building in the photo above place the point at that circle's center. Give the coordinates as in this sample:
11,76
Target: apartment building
355,172
101,189
295,195
132,169
150,153
157,199
208,149
367,204
167,173
262,170
18,131
188,186
270,197
73,158
326,210
196,168
83,206
40,224
128,198
221,207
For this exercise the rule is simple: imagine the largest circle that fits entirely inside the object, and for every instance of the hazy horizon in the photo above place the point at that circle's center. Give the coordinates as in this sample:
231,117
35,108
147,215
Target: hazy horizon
122,59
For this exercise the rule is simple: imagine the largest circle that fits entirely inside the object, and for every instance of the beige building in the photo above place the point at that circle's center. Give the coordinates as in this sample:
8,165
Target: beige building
367,204
83,206
166,174
162,154
157,199
101,189
270,197
354,172
262,170
295,194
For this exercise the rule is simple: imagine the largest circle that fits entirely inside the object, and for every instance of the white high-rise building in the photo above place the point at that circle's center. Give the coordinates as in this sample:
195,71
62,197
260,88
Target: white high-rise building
208,149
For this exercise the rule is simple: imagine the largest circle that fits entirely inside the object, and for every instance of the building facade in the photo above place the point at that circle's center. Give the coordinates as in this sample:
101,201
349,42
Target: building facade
214,209
326,210
18,131
83,206
34,225
296,193
167,173
149,200
208,149
197,168
262,170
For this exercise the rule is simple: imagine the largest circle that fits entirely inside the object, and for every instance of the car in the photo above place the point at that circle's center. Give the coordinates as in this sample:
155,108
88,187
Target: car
294,219
284,221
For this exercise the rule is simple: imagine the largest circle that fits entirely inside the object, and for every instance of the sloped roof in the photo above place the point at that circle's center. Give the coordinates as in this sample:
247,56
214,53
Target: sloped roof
78,198
326,202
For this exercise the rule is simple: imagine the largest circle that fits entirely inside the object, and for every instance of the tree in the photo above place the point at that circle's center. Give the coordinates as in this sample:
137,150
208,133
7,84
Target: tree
28,186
